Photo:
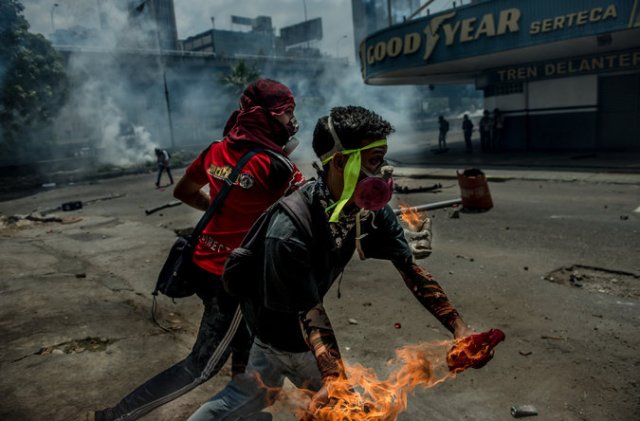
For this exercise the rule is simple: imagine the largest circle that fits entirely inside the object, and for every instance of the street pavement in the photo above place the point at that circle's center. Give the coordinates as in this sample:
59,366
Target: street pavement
74,313
598,167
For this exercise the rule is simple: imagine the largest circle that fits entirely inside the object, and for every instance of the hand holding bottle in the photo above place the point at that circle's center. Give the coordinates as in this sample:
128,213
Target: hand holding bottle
474,350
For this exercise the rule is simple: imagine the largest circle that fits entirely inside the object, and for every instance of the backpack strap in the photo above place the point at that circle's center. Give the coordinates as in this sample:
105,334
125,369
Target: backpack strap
222,194
281,158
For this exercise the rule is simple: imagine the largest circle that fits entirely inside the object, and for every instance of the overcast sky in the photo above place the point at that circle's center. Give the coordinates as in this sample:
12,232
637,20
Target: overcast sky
194,16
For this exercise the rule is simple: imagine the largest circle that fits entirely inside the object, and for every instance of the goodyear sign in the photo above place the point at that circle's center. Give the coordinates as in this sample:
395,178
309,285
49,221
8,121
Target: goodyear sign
491,27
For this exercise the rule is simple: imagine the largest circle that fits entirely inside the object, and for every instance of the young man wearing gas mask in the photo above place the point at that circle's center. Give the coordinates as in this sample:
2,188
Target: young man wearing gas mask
265,120
348,207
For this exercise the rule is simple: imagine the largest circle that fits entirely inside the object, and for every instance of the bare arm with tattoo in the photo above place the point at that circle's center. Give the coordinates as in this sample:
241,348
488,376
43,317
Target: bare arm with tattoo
433,298
319,335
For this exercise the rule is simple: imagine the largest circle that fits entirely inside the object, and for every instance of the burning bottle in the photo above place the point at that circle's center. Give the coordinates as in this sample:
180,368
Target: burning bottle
473,351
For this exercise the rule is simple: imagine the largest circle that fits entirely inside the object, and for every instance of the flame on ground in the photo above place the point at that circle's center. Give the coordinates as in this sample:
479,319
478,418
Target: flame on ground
413,218
363,396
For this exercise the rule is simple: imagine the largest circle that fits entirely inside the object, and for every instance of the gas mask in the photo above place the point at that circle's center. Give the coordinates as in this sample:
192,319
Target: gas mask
372,192
292,128
375,190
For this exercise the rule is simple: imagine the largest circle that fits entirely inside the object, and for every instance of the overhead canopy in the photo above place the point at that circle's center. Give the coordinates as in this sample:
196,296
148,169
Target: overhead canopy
471,43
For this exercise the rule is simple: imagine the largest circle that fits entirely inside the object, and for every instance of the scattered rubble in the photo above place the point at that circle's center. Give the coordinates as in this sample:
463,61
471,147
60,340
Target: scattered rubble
78,204
164,206
420,189
594,279
77,346
19,220
519,411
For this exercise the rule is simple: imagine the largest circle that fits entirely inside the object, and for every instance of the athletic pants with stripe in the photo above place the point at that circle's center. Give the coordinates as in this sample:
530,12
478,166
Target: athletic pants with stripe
222,332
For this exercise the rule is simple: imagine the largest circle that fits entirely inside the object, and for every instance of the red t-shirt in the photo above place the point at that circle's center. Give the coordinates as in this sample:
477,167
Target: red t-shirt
253,192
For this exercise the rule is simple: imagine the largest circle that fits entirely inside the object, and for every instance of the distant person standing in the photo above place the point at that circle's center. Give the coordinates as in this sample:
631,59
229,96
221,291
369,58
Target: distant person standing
164,164
498,126
467,129
485,131
443,128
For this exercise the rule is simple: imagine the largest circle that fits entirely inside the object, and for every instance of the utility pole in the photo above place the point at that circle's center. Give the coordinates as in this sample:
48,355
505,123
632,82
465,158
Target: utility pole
53,27
338,43
164,72
304,3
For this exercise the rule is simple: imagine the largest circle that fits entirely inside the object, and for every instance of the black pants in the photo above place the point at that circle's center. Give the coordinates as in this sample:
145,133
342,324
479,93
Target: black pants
485,140
222,331
162,168
467,140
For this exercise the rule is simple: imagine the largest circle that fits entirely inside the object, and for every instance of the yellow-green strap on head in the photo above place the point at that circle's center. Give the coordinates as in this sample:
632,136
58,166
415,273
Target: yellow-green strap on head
351,171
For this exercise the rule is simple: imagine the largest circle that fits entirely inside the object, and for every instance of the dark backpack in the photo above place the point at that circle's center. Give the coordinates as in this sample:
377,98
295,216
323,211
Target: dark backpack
244,267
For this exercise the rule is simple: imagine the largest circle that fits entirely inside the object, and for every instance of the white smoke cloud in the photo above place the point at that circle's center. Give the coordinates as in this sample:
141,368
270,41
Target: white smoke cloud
107,110
123,143
110,101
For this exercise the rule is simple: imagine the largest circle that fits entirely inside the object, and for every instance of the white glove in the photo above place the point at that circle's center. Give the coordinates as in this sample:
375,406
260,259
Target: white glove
420,241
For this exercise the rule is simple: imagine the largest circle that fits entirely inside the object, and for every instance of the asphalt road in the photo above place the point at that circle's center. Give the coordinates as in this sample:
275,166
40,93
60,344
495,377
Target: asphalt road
571,347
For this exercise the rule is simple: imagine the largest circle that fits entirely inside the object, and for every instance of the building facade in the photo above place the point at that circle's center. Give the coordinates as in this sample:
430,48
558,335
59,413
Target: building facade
566,75
163,14
370,16
260,40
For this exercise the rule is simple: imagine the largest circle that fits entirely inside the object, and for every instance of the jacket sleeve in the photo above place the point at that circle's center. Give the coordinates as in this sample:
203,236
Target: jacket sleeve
385,238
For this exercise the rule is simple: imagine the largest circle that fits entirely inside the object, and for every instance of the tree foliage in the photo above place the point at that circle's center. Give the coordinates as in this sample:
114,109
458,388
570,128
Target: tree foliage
33,83
239,77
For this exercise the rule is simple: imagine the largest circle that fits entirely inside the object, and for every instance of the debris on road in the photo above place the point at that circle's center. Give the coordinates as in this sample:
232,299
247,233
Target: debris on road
474,190
78,204
431,206
353,321
76,346
183,232
520,411
109,197
595,279
40,217
422,189
71,206
166,205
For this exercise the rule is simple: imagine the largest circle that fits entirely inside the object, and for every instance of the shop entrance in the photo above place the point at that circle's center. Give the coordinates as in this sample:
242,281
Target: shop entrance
619,113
